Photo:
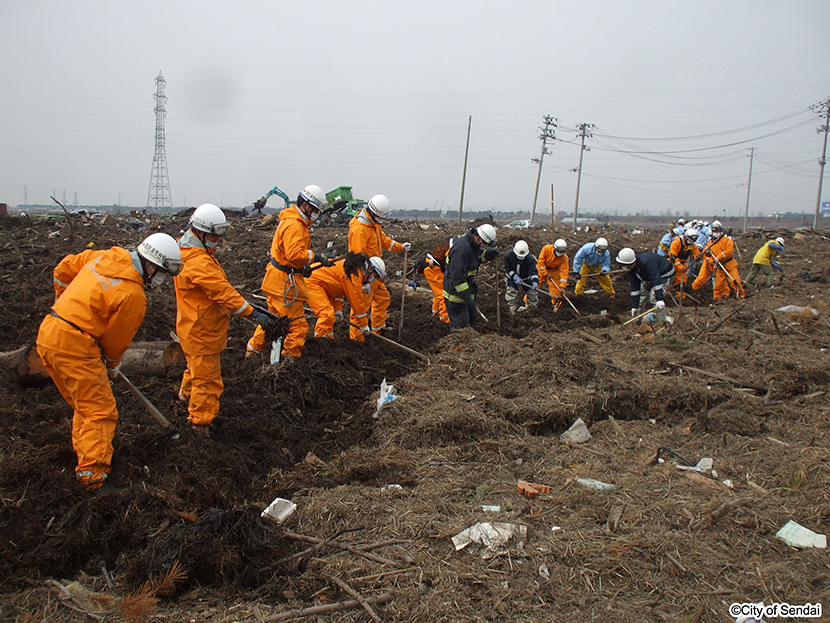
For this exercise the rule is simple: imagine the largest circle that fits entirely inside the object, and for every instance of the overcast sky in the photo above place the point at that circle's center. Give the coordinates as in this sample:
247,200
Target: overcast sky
377,95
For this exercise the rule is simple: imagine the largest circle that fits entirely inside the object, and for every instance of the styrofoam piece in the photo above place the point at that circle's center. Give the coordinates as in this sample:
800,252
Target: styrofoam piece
596,484
797,535
577,433
279,510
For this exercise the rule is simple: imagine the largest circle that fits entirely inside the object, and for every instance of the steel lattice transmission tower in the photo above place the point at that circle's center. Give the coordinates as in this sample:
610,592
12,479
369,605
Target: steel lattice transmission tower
159,197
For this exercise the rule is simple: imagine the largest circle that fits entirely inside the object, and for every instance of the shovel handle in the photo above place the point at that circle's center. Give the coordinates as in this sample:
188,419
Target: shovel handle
146,402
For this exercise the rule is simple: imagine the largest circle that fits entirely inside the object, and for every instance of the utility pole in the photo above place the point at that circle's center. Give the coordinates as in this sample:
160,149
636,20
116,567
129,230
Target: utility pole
749,185
25,195
585,129
825,108
552,213
464,174
545,134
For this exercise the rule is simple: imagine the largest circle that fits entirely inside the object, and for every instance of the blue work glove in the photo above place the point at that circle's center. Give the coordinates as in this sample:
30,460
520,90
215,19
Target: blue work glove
776,266
604,271
262,318
517,280
534,286
413,285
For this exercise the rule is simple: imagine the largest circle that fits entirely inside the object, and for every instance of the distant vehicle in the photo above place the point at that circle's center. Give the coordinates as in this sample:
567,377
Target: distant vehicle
342,207
520,224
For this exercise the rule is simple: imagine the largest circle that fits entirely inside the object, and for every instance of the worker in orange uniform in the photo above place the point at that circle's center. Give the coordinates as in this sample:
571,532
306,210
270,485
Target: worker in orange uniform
366,236
721,248
683,248
350,278
432,267
204,303
88,330
291,255
553,260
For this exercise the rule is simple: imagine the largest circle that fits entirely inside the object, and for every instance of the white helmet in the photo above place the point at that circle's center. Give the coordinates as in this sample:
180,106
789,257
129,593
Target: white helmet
691,234
521,249
315,196
559,246
678,231
162,251
379,265
780,241
487,233
717,225
380,207
209,219
680,221
601,244
626,256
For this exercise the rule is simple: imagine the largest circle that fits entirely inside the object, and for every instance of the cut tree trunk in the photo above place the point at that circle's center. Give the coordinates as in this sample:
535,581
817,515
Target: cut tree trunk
145,358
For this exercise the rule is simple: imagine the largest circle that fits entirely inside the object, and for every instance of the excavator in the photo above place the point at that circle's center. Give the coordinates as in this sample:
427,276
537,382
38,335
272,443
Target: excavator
259,204
342,206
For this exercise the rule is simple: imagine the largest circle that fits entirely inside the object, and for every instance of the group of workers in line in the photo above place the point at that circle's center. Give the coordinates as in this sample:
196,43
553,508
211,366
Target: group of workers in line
100,299
100,302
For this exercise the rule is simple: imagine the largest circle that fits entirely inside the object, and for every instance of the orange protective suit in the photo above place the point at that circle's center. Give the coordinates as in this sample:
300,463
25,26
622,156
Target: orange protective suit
723,249
548,265
70,266
97,315
283,284
328,287
204,303
366,236
435,278
680,251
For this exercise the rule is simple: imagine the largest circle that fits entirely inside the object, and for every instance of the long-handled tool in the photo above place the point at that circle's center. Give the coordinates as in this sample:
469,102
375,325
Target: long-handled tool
553,296
393,342
403,293
146,402
729,278
638,316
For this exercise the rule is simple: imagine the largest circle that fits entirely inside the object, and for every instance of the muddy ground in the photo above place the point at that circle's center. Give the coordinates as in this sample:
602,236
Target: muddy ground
736,381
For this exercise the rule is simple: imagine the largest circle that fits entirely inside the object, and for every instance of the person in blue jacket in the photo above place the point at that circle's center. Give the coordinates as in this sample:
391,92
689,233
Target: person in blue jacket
651,272
522,278
593,258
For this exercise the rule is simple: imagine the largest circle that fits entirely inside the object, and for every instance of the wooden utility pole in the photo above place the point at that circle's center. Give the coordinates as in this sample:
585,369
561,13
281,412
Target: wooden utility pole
464,175
584,128
823,160
546,133
552,210
749,185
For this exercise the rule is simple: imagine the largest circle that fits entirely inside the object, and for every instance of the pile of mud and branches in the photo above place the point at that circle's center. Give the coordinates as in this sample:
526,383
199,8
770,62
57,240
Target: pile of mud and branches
379,500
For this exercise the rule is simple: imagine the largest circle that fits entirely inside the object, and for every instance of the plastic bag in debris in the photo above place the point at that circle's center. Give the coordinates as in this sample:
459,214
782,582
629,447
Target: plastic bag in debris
388,393
491,534
577,433
796,309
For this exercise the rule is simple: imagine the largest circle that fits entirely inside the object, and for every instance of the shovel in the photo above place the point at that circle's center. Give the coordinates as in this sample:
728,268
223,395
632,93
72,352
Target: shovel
149,405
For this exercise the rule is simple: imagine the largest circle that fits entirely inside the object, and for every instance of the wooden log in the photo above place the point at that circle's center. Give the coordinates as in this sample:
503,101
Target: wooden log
144,358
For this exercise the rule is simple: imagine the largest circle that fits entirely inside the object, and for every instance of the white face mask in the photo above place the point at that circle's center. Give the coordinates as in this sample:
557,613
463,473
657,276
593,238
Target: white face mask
158,278
211,244
367,287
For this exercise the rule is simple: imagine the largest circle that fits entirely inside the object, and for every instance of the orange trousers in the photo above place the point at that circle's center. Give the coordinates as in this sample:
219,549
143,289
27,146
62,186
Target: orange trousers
323,308
292,345
378,301
84,384
202,386
435,279
723,285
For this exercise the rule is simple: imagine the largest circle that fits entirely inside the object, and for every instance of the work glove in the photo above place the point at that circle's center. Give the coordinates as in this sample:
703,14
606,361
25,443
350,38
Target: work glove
113,372
604,271
708,252
406,246
490,254
633,311
262,318
660,305
323,259
776,266
365,329
338,315
413,285
517,280
534,286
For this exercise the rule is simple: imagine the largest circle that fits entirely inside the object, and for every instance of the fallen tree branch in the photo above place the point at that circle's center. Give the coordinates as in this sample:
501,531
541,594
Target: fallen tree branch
70,601
310,612
353,593
721,377
344,546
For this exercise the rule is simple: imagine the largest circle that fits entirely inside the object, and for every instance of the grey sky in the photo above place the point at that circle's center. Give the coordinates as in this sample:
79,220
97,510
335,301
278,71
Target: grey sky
376,95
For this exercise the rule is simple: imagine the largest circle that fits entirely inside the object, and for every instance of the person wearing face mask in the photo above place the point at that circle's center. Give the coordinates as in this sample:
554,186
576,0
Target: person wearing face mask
348,279
366,236
719,259
82,339
291,256
205,300
553,260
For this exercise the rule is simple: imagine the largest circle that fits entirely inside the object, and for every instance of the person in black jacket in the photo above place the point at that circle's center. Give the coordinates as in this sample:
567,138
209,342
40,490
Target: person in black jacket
522,278
648,271
464,258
